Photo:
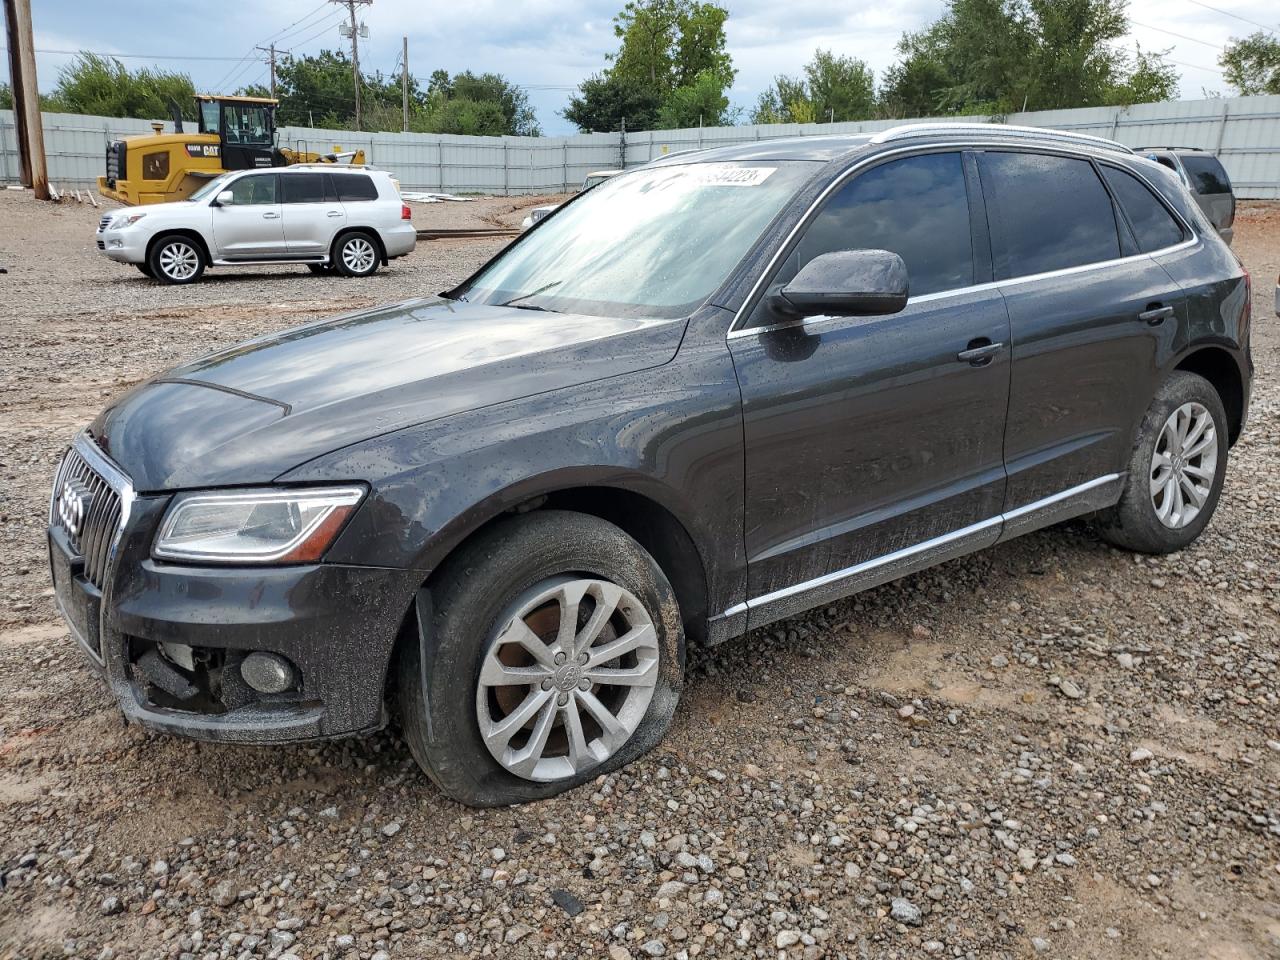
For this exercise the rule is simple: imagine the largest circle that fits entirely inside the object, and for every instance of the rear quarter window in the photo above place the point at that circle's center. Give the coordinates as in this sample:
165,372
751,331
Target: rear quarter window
1153,225
355,186
1206,174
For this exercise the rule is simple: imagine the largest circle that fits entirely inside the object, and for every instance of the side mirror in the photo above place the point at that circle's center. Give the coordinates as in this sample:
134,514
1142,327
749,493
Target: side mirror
224,199
845,283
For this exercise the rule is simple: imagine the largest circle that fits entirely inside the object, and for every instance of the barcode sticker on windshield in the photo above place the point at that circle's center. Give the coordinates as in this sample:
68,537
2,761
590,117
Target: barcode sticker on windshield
728,175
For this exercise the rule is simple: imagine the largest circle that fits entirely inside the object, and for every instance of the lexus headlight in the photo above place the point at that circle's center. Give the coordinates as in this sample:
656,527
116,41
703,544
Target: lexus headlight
255,526
126,220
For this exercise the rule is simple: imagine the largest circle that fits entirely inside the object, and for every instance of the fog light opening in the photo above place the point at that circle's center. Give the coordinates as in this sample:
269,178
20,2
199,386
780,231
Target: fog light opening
268,672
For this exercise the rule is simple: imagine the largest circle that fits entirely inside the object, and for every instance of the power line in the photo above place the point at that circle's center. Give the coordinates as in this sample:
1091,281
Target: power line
1228,13
334,17
1180,36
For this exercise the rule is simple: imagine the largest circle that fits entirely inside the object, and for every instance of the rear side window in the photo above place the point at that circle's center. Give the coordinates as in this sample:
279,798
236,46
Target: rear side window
305,188
1049,213
916,207
355,186
1153,225
1206,174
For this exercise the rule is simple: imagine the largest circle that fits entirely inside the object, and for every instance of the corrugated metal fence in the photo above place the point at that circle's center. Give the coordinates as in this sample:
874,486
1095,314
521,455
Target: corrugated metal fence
1243,131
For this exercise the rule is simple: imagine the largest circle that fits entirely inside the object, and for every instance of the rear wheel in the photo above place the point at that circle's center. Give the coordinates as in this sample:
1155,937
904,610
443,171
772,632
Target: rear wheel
1175,472
176,260
555,653
356,255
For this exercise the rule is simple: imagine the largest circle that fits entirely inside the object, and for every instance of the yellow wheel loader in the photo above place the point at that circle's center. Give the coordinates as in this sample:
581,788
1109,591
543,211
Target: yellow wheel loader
234,133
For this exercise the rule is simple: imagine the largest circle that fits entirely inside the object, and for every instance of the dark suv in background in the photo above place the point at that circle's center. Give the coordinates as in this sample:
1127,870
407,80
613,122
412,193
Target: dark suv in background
1206,178
708,394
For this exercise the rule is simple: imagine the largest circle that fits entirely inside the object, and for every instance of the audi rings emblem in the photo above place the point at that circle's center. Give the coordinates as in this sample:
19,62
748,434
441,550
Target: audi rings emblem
73,506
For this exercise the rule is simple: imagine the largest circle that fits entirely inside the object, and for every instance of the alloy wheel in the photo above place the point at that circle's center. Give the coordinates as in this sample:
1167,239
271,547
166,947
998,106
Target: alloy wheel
1184,465
179,260
567,678
358,255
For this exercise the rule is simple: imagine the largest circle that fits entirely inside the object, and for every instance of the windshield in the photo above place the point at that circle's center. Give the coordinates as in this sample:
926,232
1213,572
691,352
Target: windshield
211,188
653,243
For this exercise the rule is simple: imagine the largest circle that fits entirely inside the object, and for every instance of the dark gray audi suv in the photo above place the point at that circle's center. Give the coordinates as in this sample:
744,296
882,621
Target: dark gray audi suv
706,395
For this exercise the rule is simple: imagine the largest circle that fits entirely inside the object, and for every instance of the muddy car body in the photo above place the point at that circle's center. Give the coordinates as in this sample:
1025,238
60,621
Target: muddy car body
513,505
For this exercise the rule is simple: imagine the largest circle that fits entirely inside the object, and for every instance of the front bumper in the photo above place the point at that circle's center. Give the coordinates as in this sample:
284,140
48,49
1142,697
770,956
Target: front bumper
125,246
337,624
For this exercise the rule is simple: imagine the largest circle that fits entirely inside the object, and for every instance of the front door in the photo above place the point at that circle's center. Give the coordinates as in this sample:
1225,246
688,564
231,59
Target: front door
250,227
312,213
872,445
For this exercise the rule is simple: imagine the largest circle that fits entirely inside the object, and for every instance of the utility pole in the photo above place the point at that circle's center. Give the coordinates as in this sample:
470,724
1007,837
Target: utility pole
355,32
404,82
26,97
271,59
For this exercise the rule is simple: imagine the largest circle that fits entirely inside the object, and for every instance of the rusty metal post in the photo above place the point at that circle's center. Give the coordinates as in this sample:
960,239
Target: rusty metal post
15,86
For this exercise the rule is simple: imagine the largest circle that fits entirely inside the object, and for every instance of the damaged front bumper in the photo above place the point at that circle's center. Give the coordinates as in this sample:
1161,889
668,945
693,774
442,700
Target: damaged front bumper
170,640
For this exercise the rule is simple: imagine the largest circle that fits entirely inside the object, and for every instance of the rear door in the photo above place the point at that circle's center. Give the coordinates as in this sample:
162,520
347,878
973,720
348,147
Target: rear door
1094,320
250,227
312,213
870,436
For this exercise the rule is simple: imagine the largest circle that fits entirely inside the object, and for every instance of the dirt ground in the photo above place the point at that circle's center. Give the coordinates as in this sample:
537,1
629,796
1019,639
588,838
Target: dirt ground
1051,748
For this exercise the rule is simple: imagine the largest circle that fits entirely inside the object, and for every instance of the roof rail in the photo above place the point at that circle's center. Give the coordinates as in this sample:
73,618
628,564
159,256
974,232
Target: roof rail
998,129
1169,146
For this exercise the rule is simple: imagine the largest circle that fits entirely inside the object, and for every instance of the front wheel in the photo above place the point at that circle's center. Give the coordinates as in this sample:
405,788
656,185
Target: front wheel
555,653
356,255
1176,470
176,260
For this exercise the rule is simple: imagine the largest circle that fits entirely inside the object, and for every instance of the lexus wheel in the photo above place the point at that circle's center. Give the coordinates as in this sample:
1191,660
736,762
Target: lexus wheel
176,260
1176,471
554,653
356,255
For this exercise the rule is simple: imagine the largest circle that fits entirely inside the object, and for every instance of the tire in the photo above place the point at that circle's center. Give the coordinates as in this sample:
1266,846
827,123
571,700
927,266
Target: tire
176,260
541,559
145,270
320,269
356,254
1156,517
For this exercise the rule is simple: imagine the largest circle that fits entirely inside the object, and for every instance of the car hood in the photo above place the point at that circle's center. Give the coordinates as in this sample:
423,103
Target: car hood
252,412
179,208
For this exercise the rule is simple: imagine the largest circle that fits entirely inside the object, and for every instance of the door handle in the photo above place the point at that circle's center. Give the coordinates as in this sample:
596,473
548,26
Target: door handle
271,216
334,213
979,352
1156,315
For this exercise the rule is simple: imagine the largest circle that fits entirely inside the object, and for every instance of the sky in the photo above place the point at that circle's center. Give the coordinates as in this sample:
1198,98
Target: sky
549,46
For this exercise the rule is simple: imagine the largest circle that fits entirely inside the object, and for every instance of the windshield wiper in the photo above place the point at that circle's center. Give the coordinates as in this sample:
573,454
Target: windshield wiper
525,296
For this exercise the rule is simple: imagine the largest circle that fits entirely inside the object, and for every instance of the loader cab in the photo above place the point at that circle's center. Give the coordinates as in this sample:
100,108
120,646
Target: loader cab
246,127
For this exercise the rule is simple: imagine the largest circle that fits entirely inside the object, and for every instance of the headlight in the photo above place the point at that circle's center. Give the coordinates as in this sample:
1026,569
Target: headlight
126,220
254,526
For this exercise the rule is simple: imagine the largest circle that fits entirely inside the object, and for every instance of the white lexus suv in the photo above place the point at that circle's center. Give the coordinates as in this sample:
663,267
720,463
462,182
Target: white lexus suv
348,219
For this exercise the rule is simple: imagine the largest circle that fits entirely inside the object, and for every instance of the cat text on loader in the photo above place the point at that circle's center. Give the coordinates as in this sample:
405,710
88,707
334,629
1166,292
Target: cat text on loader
234,133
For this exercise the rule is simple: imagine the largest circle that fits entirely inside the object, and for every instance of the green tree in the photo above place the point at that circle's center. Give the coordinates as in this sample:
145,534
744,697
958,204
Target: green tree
105,87
6,97
839,88
672,64
1003,56
1252,64
604,102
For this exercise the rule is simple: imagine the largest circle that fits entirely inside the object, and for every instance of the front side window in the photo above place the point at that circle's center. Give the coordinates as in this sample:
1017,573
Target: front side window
1206,174
1046,213
246,123
1153,225
916,207
652,243
254,190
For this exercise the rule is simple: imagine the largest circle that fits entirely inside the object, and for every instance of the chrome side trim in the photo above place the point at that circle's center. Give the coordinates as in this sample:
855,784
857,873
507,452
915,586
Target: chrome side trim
788,601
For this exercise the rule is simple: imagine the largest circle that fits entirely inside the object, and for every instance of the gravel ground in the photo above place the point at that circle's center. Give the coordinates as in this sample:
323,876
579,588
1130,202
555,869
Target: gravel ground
1051,748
